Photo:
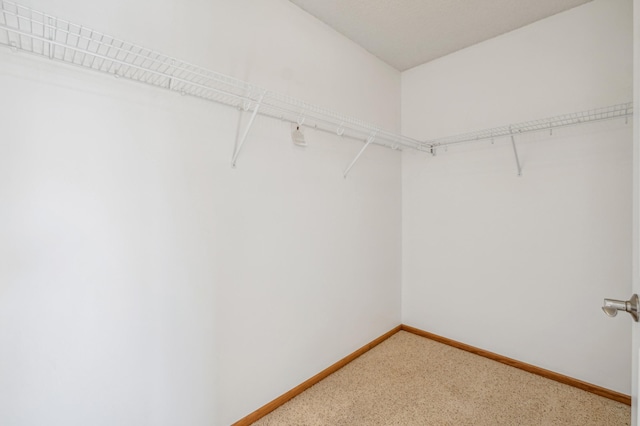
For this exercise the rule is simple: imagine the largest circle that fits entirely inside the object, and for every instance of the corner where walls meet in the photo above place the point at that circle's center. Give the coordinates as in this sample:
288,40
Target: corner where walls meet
519,265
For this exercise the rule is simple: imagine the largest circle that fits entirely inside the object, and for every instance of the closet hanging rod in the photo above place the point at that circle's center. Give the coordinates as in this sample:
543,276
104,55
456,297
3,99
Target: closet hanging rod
546,124
26,30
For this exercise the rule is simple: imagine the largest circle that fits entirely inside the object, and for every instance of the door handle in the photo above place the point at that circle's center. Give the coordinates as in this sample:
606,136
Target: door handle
632,306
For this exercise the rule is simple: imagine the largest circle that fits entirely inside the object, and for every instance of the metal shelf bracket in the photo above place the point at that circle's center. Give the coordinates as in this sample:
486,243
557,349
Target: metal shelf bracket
515,153
370,139
243,139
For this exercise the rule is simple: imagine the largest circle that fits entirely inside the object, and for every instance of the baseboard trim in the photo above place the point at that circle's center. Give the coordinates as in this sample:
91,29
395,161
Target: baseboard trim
607,393
266,409
269,407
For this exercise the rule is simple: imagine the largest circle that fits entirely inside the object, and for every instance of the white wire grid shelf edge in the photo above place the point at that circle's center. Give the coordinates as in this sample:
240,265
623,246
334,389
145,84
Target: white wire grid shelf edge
27,30
546,124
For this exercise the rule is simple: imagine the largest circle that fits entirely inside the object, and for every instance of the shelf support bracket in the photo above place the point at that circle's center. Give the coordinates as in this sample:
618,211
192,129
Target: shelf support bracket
370,139
515,153
243,139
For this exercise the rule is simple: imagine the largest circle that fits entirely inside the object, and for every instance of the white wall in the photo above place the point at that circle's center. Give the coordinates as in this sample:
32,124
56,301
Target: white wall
519,266
145,282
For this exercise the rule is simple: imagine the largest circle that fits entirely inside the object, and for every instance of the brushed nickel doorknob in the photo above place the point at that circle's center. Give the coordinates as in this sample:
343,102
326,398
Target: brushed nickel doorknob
632,306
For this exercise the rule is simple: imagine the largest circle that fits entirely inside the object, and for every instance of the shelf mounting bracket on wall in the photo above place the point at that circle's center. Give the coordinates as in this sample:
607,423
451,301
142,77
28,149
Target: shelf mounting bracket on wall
515,152
243,139
370,139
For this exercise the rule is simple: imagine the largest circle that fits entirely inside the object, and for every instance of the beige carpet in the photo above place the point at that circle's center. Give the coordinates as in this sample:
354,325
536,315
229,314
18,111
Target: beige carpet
411,380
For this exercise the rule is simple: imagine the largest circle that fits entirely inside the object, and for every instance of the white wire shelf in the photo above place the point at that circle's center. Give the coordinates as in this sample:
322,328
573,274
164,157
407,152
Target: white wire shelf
26,30
545,124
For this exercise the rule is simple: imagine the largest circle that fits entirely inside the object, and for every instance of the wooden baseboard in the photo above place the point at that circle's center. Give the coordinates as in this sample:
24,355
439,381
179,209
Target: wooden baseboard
607,393
266,409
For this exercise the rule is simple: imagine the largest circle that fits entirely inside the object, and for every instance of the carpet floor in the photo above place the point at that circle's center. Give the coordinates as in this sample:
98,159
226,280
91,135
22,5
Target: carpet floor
410,380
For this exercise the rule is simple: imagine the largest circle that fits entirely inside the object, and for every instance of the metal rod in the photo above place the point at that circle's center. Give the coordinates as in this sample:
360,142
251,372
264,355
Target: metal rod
99,43
515,152
127,58
366,145
107,59
187,85
407,142
246,131
609,113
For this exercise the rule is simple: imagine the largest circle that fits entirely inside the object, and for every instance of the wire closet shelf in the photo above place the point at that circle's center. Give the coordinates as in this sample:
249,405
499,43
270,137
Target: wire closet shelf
27,30
545,124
